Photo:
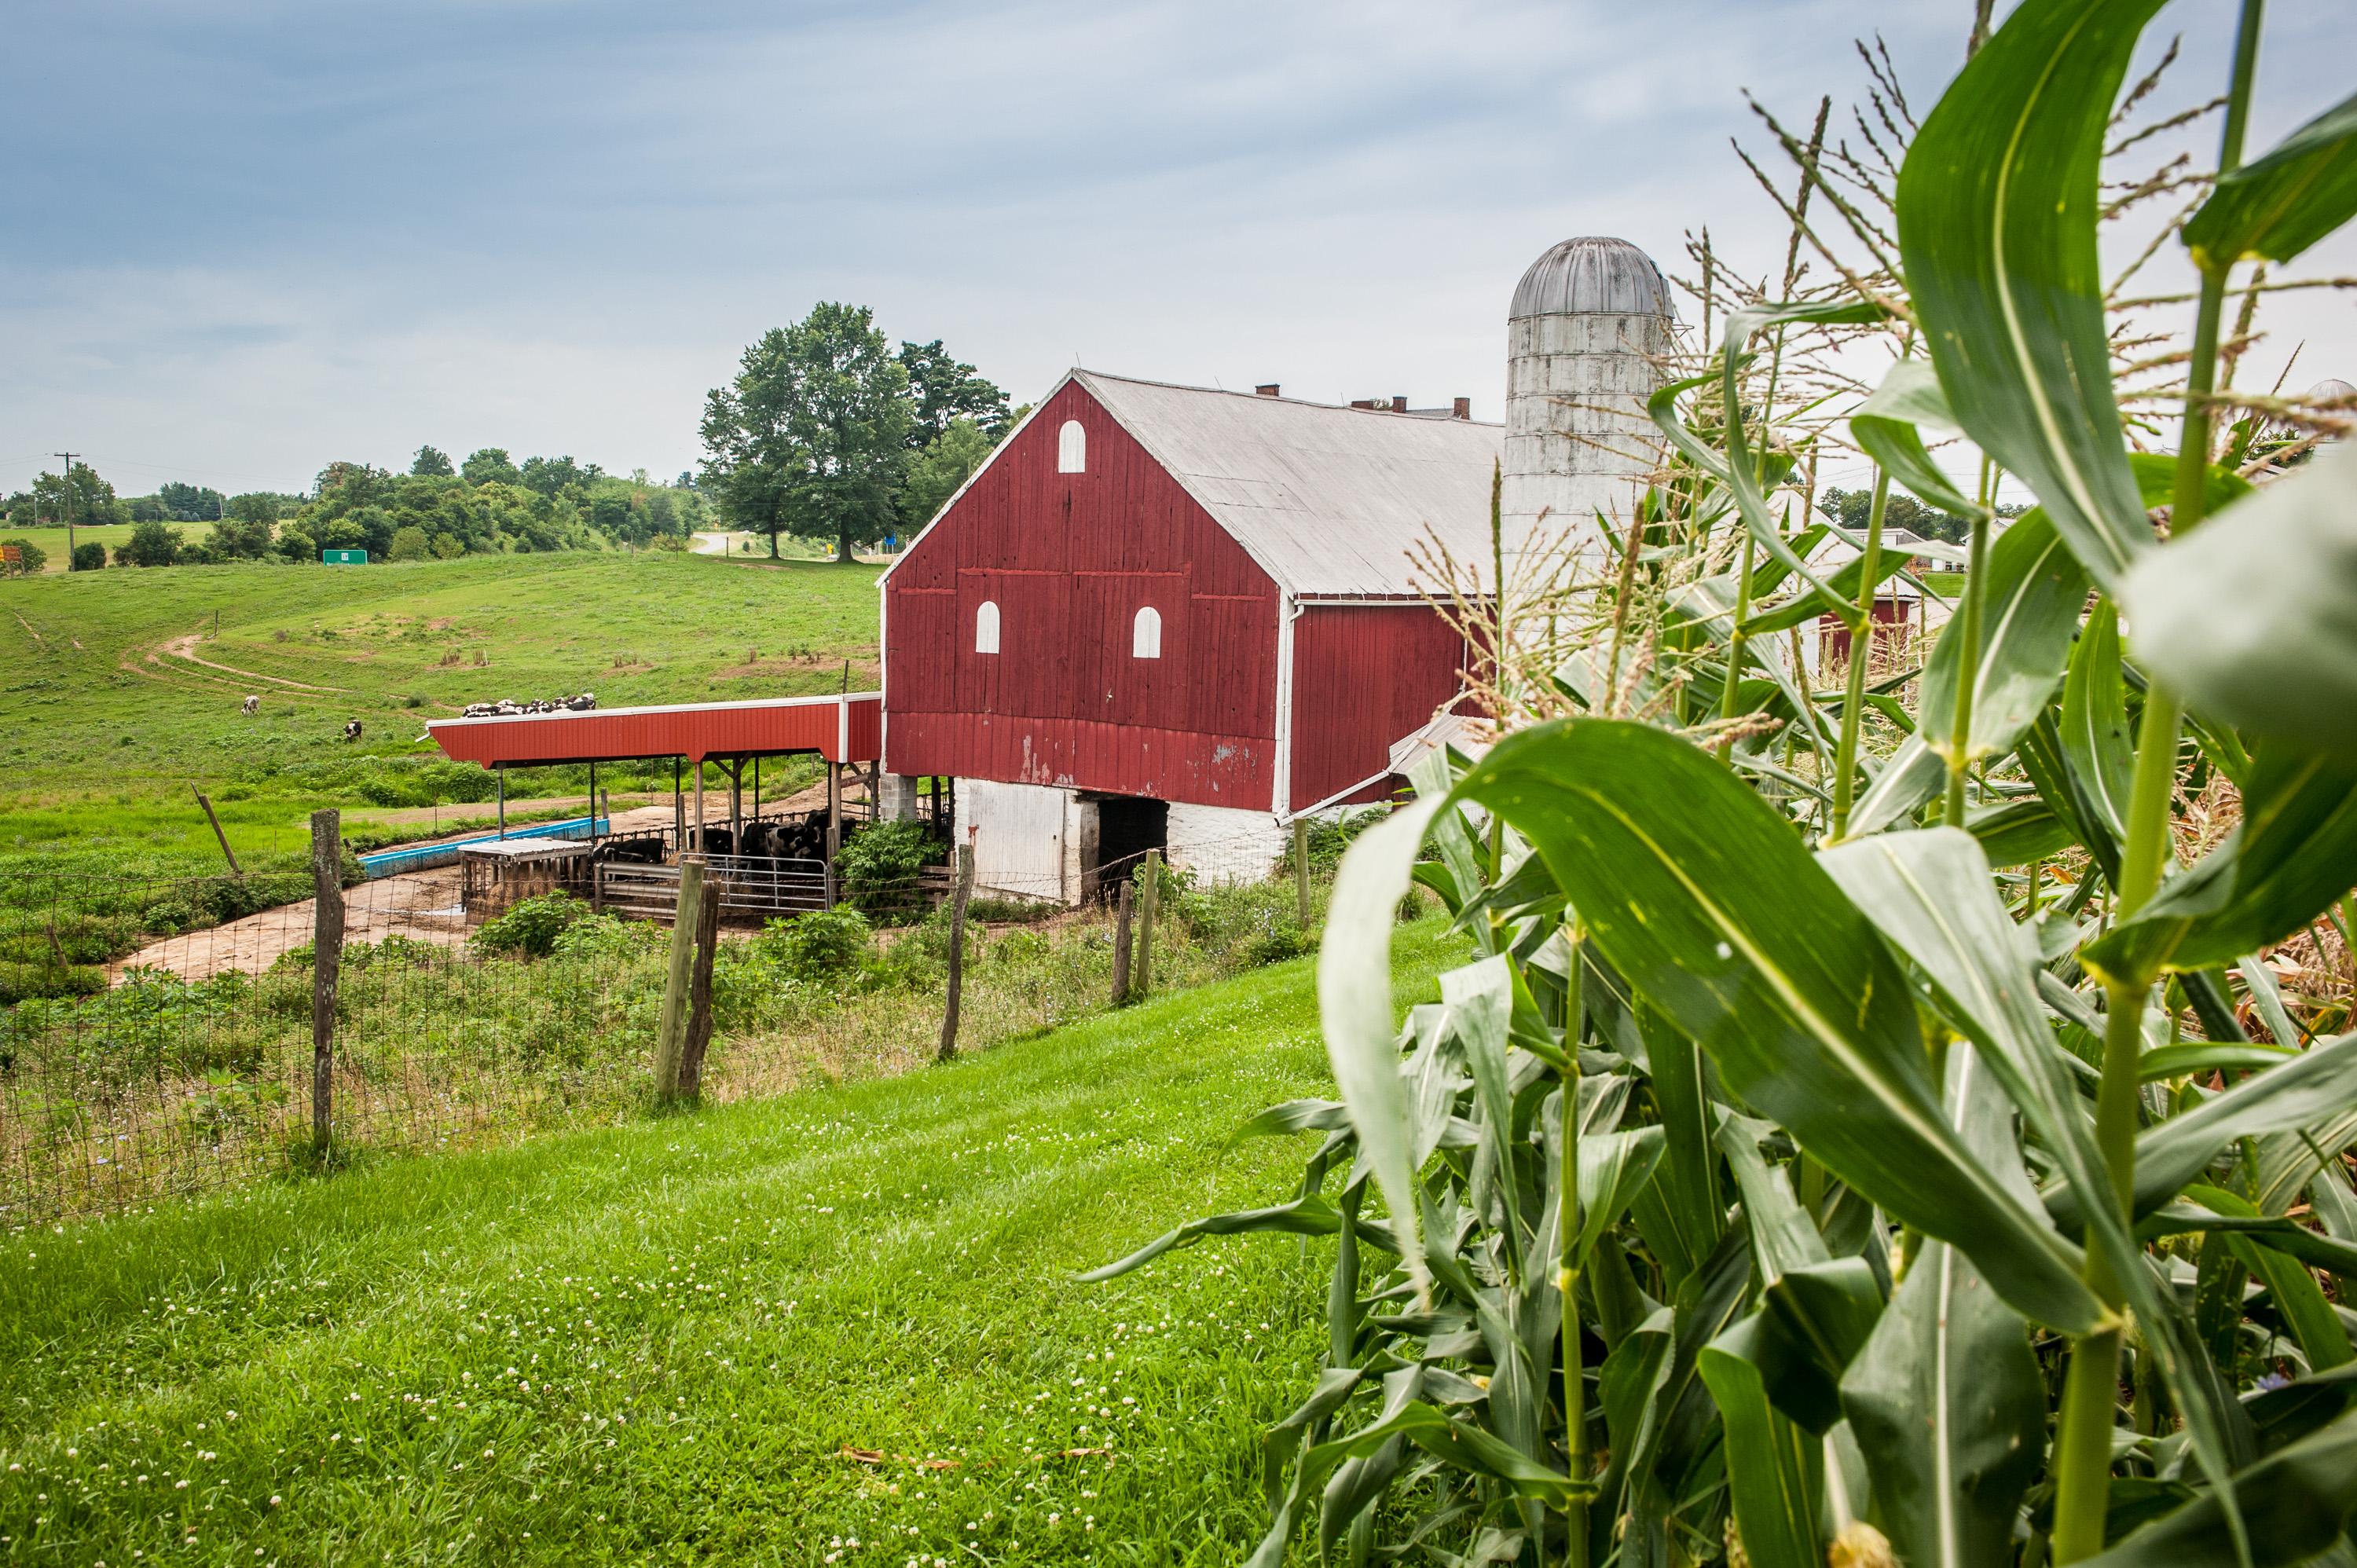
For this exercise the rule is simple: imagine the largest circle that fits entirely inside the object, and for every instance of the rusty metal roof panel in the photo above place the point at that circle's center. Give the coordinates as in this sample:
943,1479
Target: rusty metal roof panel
1329,501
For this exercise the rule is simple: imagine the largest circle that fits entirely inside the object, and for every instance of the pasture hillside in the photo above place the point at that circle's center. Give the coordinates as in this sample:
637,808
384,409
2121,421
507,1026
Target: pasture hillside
841,1326
119,692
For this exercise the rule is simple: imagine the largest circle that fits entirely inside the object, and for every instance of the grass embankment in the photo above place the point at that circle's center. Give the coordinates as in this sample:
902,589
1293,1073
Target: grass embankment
657,1344
118,695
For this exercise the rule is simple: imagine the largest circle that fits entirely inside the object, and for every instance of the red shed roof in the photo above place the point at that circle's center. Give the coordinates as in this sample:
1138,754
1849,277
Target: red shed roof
846,728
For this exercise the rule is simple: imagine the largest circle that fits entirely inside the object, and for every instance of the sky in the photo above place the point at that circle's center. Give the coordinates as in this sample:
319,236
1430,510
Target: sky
246,238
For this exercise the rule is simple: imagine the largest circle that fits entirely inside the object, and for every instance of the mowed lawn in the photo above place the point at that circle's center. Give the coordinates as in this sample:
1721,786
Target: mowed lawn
752,1335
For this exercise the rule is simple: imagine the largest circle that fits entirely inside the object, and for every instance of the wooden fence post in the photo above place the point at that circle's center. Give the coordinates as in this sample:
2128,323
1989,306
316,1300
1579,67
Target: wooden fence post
1301,868
958,897
671,1031
326,966
227,854
1122,937
699,993
1146,921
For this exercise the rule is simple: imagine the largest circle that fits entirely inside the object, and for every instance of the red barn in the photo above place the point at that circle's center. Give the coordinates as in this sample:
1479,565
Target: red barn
1170,617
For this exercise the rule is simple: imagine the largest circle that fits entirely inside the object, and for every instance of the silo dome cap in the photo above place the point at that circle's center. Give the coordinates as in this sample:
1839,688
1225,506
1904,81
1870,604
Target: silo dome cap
2332,390
1594,275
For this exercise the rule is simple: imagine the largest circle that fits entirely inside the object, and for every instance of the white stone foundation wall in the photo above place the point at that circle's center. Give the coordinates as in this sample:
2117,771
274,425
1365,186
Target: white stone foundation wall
1221,844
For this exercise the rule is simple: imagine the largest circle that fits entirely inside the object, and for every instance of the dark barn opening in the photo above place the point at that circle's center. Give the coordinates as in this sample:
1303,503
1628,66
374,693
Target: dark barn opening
1128,826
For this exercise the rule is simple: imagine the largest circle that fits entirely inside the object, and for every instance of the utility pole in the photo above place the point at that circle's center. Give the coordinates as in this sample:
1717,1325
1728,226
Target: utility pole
68,457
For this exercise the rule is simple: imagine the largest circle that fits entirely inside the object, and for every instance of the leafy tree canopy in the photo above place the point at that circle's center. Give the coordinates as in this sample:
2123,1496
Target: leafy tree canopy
431,463
940,470
1852,508
150,545
490,466
188,503
945,391
812,435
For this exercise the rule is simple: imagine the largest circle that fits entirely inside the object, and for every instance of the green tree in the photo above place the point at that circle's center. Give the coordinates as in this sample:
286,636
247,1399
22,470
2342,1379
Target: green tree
240,538
257,506
409,544
148,509
555,477
811,437
490,465
150,545
946,391
79,498
940,470
294,544
90,555
30,558
188,503
431,463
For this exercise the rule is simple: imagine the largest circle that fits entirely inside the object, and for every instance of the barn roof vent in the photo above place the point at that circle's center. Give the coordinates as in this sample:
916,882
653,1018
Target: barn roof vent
1267,389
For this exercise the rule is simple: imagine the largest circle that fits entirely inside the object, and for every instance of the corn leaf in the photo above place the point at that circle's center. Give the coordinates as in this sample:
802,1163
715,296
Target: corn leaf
2292,855
2034,595
1887,428
2254,615
1997,204
1945,1400
2279,205
2317,1086
1932,895
1354,1003
1700,894
2096,720
1775,1468
2296,1502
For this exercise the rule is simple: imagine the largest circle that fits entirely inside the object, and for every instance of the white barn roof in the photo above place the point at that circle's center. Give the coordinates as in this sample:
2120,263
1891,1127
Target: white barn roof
1328,499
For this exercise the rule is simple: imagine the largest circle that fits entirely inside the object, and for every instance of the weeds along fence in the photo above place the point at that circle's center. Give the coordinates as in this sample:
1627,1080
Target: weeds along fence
189,1064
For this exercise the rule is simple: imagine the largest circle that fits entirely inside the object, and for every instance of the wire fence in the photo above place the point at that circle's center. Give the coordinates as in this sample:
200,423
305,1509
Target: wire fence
187,1063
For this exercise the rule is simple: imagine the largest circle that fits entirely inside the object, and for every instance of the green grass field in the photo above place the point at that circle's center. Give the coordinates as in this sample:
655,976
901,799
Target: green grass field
118,695
755,1335
53,541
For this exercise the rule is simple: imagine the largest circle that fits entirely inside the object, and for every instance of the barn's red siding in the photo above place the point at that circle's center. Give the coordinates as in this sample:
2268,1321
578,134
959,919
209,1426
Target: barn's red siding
1068,559
1364,676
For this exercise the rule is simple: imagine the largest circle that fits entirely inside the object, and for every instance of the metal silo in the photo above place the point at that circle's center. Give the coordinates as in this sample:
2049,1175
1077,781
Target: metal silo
1590,323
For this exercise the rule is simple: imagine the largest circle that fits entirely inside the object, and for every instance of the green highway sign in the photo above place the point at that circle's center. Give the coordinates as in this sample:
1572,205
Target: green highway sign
344,557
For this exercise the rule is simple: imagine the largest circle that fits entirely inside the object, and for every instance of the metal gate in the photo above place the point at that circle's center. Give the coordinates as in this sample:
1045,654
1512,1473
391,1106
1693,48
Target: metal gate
752,889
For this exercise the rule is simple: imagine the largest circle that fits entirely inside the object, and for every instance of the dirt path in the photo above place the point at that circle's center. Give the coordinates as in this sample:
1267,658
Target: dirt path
186,648
422,905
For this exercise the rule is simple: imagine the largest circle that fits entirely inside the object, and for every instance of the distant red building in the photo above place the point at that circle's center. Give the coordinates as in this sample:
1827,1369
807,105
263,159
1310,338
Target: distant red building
1177,618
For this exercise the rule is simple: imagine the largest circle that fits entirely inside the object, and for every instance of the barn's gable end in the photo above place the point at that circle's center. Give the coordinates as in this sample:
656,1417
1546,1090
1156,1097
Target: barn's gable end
1069,560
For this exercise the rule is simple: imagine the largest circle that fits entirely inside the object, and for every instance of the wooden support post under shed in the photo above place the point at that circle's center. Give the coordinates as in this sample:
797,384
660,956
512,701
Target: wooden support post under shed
737,806
699,805
671,1029
958,896
834,807
502,771
327,967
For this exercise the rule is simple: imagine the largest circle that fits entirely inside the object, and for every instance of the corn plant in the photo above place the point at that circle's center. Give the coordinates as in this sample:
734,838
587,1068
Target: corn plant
1794,1175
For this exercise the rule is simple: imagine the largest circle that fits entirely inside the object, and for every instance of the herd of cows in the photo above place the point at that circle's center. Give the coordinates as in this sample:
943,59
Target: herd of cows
778,838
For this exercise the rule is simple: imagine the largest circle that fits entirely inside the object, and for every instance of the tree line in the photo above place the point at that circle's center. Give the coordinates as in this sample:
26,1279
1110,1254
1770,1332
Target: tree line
826,432
437,510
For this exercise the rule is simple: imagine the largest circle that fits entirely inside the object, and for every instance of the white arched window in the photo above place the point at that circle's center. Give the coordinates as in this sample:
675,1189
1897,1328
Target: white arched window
1071,448
1145,634
985,628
